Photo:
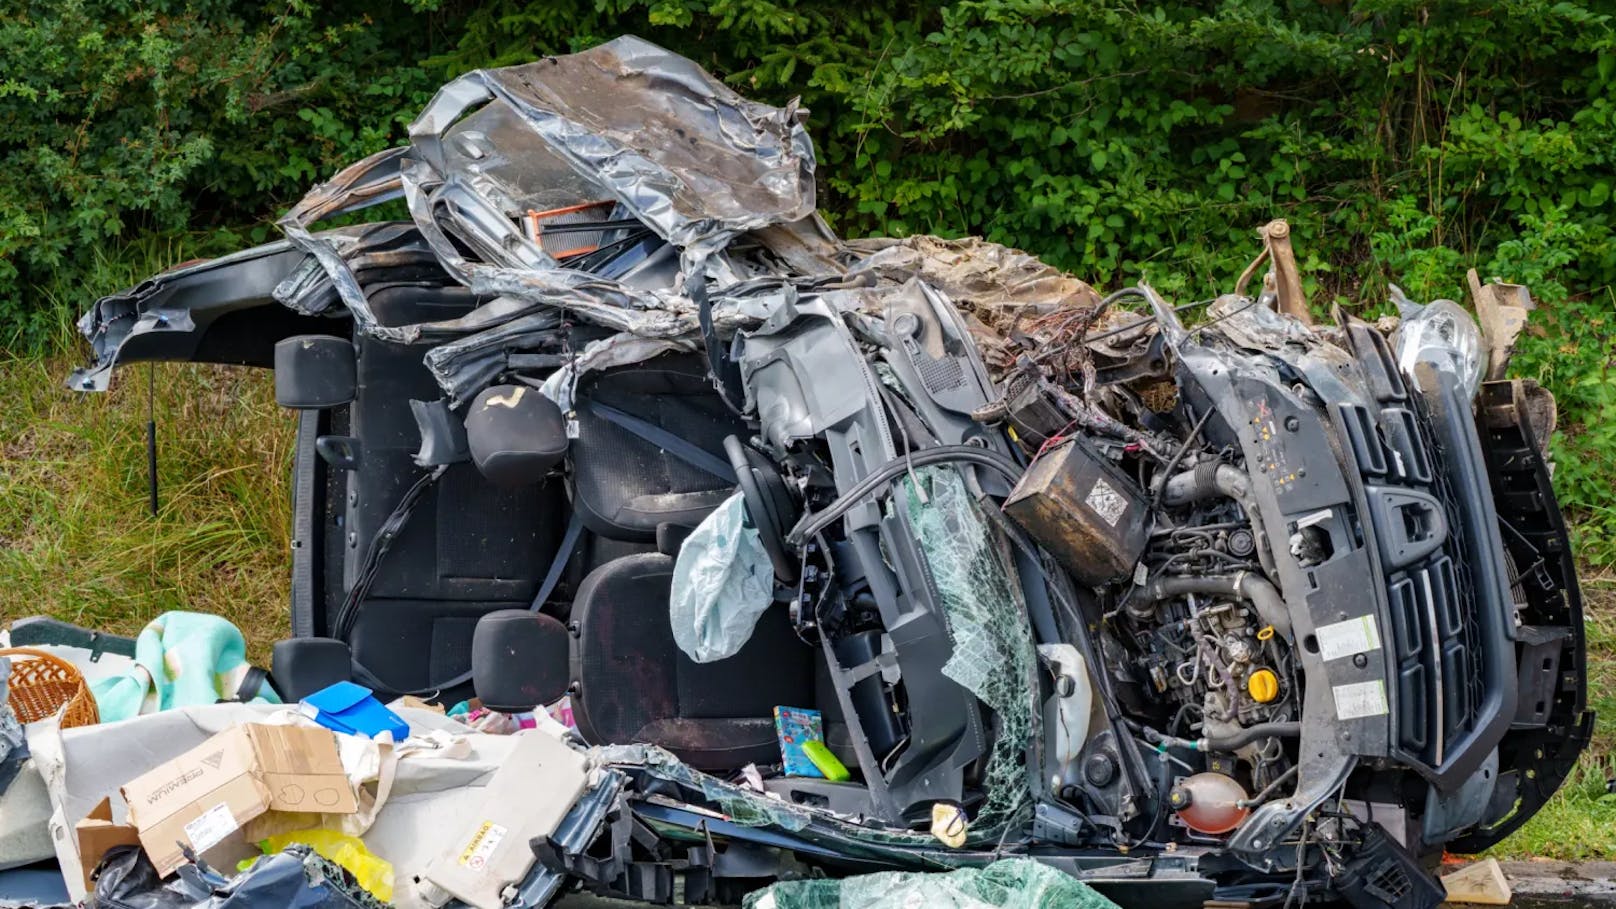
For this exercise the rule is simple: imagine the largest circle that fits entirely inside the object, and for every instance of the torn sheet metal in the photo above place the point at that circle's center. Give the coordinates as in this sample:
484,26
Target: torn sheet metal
680,150
167,316
360,185
999,287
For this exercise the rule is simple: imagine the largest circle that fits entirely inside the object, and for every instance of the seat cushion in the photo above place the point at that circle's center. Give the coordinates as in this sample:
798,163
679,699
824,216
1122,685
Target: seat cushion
635,685
625,485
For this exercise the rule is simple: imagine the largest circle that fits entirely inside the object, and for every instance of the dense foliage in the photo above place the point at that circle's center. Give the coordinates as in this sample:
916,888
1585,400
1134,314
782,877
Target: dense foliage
1117,138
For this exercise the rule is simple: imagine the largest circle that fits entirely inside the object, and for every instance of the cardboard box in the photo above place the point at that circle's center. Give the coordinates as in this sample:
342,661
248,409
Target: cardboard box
97,834
203,797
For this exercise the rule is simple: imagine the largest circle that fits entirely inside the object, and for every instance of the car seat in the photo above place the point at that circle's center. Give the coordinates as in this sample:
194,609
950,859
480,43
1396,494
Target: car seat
470,546
649,456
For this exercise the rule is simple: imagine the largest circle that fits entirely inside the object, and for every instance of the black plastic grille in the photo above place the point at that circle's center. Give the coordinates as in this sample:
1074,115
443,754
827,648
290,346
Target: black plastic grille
1432,635
1463,691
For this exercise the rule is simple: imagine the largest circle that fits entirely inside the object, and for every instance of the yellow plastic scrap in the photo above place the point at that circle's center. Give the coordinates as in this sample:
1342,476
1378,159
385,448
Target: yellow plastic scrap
949,824
374,873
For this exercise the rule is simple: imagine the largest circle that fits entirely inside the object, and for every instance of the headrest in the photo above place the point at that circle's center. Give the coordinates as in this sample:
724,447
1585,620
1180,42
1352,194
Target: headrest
516,435
519,660
314,372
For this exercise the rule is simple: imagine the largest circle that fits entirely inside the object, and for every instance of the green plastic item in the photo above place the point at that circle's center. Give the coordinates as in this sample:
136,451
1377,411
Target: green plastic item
834,770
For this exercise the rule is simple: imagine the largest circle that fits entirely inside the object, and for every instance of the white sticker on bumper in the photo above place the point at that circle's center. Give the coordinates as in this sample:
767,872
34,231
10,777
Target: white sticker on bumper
1344,639
1360,699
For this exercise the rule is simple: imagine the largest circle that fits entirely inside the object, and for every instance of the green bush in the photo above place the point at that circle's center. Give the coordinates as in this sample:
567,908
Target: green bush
1119,139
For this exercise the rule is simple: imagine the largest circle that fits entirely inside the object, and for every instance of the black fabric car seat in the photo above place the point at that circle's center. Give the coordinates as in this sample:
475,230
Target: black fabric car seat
470,547
650,448
633,684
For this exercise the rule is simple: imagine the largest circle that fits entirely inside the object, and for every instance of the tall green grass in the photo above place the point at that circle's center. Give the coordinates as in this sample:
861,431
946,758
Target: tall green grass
76,538
1580,821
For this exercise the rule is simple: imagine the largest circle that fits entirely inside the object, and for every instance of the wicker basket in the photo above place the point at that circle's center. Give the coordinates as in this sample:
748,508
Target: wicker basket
41,684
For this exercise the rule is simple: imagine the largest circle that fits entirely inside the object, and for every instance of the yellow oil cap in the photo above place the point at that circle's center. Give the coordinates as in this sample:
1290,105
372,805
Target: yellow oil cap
1263,686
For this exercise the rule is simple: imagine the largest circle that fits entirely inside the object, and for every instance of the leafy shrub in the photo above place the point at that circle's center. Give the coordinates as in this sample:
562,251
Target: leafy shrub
1120,139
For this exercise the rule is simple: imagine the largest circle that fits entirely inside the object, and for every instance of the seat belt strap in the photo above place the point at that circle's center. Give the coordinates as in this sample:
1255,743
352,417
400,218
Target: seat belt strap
724,373
558,565
552,578
683,449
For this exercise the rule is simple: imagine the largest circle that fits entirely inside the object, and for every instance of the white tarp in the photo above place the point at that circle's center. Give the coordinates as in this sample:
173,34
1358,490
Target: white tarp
430,794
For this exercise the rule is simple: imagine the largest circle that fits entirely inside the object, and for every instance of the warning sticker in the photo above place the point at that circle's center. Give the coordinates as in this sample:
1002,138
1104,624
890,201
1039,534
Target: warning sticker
211,827
1360,699
1344,639
482,845
1106,502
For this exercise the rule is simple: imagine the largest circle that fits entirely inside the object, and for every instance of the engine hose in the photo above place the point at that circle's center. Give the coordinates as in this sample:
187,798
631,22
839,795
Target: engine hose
812,524
1271,788
1230,742
1248,735
1209,479
1263,595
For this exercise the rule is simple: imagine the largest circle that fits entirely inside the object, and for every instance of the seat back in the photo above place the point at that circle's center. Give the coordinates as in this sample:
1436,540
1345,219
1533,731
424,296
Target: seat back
627,477
635,685
469,548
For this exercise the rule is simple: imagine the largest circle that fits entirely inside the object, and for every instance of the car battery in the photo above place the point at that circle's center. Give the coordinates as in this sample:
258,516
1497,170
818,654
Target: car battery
1083,510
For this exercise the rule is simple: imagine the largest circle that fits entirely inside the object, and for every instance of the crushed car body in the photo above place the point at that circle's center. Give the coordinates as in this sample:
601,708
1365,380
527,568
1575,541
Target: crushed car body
1196,601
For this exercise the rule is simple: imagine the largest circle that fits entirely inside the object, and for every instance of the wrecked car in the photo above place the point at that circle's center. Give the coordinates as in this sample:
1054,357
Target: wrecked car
1190,601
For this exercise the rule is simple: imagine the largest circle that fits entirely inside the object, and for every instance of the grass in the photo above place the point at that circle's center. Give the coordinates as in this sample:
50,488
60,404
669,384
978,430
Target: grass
77,542
76,538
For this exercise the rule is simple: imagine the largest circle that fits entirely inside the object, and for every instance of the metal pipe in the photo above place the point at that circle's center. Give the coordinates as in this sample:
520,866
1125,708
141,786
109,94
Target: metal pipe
1209,479
1247,585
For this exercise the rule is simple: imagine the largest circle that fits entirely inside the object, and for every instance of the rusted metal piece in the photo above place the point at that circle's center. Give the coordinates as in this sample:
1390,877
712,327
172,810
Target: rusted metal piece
1083,510
1287,278
1509,402
1501,309
1245,276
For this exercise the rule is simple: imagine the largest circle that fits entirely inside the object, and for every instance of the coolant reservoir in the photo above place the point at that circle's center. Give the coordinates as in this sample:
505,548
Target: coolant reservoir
1209,803
1066,713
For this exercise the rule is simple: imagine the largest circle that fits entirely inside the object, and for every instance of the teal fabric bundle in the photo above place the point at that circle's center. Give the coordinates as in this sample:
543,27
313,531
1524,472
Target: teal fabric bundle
181,659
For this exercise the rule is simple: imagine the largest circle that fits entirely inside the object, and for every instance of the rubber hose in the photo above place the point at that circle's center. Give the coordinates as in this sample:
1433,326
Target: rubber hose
1248,735
1263,595
1209,479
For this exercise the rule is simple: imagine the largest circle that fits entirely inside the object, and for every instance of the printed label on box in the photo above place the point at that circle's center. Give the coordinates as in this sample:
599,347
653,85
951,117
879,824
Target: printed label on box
211,827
